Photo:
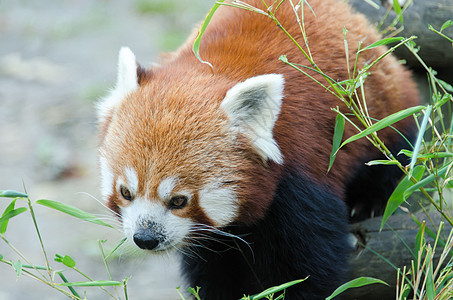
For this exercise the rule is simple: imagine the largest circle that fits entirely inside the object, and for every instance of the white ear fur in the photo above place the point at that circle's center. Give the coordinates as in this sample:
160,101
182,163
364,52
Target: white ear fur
253,107
126,83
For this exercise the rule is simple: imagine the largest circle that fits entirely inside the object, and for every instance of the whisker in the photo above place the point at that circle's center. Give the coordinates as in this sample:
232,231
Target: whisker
100,202
203,227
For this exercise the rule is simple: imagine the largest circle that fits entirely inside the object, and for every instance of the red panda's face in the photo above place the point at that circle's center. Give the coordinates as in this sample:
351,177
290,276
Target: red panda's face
174,163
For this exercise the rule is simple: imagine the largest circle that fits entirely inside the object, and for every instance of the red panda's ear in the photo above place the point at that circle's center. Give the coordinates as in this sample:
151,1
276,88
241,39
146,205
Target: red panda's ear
253,107
130,75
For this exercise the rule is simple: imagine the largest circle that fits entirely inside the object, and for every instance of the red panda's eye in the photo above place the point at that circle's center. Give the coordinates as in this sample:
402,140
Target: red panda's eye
126,193
178,202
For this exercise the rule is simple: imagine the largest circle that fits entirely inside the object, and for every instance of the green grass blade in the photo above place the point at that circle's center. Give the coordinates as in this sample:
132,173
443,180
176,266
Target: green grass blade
387,121
5,217
337,136
72,211
92,283
430,290
358,282
399,194
197,42
12,194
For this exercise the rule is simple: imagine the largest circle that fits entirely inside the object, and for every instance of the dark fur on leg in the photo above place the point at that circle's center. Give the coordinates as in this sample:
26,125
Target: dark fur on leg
303,234
369,190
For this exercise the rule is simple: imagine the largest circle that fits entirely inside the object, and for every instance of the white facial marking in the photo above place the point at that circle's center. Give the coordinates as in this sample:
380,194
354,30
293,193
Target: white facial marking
126,83
141,212
219,203
106,177
253,107
131,179
166,187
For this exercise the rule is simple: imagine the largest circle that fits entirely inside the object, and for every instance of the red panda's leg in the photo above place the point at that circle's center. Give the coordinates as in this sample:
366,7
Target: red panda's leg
368,191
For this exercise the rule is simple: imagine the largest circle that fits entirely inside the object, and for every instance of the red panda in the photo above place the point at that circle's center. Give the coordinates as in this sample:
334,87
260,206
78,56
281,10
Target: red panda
228,166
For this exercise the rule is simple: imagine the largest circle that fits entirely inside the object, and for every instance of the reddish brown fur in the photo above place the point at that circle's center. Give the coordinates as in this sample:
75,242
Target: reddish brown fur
183,132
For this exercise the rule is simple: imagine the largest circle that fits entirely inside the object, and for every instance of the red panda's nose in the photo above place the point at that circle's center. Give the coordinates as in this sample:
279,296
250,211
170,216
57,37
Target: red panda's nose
146,239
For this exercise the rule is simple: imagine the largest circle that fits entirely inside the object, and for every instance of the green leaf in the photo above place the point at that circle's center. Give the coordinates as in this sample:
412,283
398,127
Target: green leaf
12,194
11,214
276,289
91,283
73,291
358,282
337,136
4,224
446,25
194,291
446,86
382,162
17,266
387,121
420,135
382,43
72,211
399,194
66,260
397,9
426,181
197,42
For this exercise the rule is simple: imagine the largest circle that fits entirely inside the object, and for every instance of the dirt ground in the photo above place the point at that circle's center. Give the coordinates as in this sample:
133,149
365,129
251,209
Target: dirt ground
56,58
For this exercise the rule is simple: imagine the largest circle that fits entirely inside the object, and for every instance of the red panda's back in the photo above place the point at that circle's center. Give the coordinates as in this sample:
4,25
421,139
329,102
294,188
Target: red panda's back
241,44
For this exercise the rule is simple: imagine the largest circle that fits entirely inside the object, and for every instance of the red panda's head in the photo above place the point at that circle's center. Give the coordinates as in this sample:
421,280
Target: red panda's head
183,154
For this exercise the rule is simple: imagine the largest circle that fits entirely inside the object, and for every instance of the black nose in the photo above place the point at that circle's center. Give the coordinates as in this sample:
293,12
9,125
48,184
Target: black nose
146,240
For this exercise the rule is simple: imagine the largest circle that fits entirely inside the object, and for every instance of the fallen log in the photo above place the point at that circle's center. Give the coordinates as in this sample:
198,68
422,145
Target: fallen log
393,244
435,50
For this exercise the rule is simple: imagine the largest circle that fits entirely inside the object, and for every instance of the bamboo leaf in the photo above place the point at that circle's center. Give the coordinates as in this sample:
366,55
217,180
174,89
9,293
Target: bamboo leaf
426,181
197,42
72,211
337,136
399,194
73,291
358,282
12,194
397,9
387,121
382,42
276,289
420,135
446,25
4,224
91,283
11,214
66,260
17,266
382,162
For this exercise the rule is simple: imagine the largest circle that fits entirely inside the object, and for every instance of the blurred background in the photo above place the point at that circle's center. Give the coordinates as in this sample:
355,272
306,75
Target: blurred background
57,57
